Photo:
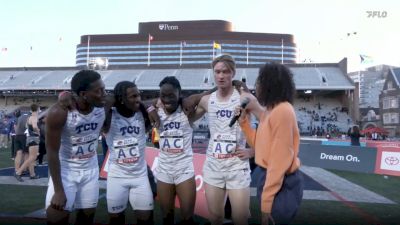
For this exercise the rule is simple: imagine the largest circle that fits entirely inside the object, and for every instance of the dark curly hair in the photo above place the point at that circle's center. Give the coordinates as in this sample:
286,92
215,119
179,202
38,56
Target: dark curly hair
120,90
274,85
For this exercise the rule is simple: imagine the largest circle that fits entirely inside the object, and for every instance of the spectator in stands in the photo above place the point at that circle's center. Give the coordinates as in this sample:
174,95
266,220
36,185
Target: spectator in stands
276,143
32,142
355,135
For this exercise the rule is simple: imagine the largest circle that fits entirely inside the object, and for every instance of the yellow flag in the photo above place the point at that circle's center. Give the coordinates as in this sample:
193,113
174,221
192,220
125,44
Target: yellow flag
216,45
155,137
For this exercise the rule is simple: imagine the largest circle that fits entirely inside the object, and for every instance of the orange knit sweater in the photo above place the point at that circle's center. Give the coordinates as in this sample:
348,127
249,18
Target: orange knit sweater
276,144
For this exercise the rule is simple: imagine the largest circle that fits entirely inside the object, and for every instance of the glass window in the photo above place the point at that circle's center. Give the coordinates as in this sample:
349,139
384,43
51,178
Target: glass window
386,118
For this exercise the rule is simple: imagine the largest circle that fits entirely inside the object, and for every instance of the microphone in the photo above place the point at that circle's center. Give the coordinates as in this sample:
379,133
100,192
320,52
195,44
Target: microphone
243,105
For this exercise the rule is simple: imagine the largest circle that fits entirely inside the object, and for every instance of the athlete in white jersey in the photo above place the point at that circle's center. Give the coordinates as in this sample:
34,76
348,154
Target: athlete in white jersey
71,141
175,171
127,174
226,169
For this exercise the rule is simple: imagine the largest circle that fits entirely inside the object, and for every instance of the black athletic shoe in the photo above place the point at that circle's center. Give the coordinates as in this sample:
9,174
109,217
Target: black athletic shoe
34,177
18,177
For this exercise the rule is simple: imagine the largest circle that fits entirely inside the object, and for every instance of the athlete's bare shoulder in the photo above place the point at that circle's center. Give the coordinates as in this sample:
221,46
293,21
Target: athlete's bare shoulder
57,114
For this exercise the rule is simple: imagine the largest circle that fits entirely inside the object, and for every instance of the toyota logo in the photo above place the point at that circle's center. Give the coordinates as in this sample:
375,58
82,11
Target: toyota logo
391,161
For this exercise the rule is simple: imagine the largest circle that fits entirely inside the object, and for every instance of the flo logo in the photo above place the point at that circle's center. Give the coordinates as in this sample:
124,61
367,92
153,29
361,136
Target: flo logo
376,14
392,160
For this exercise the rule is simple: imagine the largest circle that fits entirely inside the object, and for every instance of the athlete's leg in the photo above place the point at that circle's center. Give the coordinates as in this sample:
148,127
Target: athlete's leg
166,196
85,216
117,199
186,192
33,151
116,218
144,217
141,199
57,217
215,197
240,203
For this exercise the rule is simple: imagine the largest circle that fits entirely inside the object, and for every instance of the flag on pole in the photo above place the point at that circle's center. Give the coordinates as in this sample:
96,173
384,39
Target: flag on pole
87,52
247,52
366,59
150,38
282,51
183,44
216,45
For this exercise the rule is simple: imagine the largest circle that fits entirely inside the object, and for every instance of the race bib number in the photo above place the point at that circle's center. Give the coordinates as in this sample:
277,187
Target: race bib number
224,145
84,148
171,141
126,150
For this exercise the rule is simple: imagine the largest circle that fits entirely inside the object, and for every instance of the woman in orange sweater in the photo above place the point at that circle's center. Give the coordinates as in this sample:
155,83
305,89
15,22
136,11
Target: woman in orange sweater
276,144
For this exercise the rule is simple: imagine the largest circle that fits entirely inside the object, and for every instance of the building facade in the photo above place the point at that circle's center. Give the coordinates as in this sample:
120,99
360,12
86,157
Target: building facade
184,44
389,103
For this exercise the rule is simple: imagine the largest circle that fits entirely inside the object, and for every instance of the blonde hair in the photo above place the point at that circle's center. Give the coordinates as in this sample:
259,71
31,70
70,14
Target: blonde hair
227,60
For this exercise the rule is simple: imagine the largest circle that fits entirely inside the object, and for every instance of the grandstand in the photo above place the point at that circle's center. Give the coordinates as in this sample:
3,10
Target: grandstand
330,88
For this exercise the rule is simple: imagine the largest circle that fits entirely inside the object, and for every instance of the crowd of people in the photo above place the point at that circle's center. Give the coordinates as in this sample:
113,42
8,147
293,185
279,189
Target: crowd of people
73,125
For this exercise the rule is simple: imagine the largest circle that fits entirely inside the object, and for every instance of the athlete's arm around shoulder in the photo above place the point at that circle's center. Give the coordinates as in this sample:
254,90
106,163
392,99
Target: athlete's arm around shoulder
253,106
56,119
201,109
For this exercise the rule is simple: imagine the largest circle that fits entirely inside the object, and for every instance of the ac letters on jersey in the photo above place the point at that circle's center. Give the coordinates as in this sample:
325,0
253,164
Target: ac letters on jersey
126,150
171,141
84,148
224,145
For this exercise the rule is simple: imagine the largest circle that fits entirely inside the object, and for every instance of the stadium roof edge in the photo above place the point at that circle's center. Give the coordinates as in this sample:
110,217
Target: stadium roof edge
38,68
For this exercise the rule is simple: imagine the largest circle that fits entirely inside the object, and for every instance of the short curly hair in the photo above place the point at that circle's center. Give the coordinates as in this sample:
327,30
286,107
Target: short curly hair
274,85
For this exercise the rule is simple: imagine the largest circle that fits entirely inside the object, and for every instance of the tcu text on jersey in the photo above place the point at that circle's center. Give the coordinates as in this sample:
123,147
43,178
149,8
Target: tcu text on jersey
129,130
224,113
172,125
86,127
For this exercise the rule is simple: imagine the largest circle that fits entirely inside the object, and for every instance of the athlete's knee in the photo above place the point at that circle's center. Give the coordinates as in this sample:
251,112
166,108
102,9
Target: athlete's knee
149,221
187,221
168,218
216,218
57,217
85,216
117,218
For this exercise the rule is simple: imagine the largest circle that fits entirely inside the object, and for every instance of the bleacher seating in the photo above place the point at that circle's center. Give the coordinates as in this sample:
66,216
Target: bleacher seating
324,114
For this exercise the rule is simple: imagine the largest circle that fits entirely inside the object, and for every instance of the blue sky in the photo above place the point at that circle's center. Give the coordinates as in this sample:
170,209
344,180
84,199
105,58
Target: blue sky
320,27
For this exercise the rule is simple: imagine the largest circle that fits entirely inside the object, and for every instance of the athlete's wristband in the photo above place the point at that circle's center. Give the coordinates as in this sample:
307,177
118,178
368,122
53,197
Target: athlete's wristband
150,109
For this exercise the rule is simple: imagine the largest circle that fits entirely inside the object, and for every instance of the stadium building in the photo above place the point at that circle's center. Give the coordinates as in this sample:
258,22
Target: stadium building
184,44
326,101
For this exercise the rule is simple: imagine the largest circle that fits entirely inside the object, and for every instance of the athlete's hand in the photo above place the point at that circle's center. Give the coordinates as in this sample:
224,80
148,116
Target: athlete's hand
154,118
189,104
240,111
66,100
58,201
240,86
244,154
267,219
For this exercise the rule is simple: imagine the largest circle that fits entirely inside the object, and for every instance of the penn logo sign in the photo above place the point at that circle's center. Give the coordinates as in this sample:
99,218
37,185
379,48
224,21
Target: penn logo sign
166,27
